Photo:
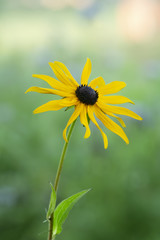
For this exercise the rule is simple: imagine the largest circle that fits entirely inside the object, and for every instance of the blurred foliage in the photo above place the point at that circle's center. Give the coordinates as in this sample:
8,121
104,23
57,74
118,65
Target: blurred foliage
125,199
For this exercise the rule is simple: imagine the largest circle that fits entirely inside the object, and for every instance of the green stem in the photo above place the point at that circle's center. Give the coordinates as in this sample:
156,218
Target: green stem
59,170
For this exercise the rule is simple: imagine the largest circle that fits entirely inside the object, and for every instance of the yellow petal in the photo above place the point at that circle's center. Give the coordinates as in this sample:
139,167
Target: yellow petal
84,121
86,72
61,75
112,87
97,82
118,110
112,126
116,100
67,72
121,121
73,117
118,118
90,111
56,105
52,82
49,91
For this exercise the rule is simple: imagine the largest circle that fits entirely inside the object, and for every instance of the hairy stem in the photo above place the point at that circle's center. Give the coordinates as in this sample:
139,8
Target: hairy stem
59,170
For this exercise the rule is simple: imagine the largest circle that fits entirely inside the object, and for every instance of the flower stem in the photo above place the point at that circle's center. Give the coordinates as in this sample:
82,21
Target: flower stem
58,174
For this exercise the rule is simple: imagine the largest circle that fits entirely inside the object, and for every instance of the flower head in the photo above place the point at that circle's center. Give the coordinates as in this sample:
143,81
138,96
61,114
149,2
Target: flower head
90,100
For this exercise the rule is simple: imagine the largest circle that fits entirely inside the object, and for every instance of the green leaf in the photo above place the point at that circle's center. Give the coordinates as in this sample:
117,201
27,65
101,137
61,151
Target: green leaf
52,203
62,210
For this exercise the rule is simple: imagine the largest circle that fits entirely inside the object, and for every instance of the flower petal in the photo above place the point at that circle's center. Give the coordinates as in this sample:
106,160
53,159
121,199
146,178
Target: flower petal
49,91
52,82
73,117
116,100
61,75
97,82
56,105
112,126
67,72
84,121
86,72
112,87
90,111
118,110
118,118
121,121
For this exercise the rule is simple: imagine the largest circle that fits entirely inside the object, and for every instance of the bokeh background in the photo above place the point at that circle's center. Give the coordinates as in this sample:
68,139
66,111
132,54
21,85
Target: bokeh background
122,39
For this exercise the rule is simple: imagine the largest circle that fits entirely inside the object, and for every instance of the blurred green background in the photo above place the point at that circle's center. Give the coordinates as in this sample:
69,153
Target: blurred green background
122,39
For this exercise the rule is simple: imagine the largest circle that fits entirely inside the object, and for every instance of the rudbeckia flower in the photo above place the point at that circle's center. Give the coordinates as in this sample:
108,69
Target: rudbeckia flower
89,99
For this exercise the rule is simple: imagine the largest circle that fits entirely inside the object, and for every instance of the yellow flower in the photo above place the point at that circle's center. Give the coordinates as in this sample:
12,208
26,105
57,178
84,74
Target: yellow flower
90,100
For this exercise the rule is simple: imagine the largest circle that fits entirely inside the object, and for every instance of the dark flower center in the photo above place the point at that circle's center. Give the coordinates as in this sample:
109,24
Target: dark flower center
86,95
